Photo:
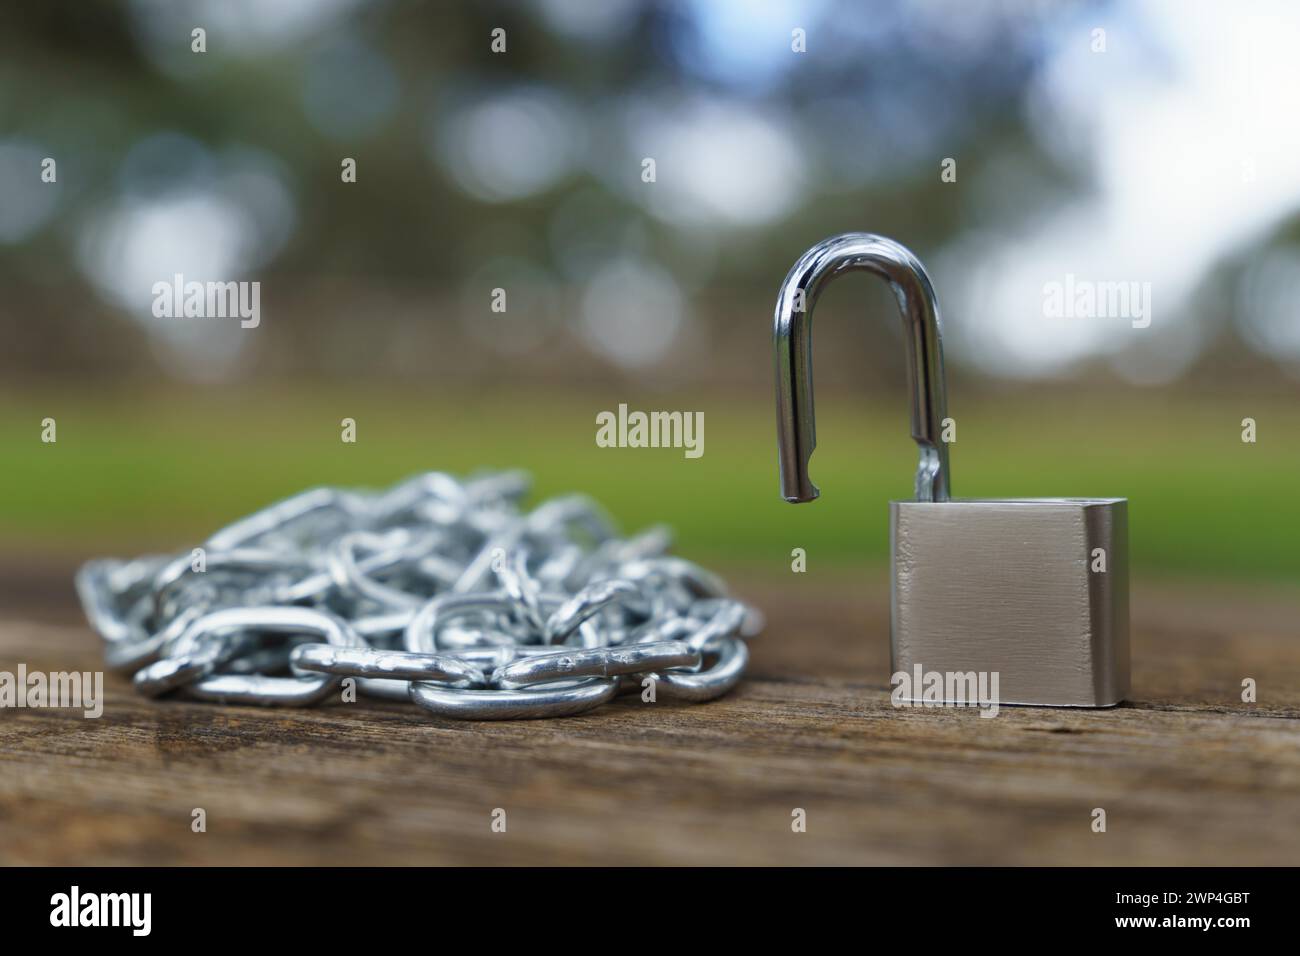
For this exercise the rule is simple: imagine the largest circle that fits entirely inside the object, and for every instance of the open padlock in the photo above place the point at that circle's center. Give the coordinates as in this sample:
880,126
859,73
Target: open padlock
1034,590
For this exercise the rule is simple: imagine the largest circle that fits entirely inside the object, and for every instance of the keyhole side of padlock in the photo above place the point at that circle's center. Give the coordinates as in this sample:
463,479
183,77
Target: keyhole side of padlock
792,343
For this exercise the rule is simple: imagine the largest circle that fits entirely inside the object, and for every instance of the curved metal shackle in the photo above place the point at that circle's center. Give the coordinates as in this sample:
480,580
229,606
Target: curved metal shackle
792,339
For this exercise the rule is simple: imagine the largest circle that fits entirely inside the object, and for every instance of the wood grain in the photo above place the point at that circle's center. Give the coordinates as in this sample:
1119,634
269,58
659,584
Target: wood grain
1187,773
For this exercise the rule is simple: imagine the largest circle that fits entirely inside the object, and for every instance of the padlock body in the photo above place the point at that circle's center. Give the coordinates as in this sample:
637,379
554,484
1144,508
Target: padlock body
1034,590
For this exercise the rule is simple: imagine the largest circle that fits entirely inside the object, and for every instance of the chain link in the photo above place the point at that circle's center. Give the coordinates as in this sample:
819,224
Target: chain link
438,591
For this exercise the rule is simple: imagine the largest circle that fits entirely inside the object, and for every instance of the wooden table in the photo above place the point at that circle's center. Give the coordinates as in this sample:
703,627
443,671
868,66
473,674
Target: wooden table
1186,772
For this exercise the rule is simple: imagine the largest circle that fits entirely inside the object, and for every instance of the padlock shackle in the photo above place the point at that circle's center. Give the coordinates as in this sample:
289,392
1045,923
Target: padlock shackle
796,431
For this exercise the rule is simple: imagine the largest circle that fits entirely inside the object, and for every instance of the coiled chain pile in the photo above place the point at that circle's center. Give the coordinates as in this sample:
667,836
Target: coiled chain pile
437,590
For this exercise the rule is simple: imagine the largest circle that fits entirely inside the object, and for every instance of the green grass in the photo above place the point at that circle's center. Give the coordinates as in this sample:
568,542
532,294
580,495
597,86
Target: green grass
165,470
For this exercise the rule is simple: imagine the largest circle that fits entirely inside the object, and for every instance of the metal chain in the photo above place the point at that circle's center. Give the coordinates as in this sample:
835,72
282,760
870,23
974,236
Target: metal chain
437,590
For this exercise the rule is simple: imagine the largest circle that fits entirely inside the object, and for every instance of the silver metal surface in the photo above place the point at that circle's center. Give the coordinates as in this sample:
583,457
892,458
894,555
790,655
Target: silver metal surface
720,675
1008,587
388,665
792,338
540,700
237,623
437,591
600,662
979,587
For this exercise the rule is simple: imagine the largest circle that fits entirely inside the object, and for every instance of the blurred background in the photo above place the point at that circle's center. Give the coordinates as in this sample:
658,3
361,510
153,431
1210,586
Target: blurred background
1136,142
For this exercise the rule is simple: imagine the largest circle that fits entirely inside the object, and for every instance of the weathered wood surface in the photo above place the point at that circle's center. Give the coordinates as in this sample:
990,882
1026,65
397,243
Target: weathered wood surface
1187,773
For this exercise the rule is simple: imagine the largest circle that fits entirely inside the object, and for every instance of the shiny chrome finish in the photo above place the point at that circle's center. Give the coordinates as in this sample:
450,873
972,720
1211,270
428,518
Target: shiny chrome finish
725,619
392,665
795,423
587,603
600,662
720,676
1034,591
186,667
260,688
540,700
437,590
